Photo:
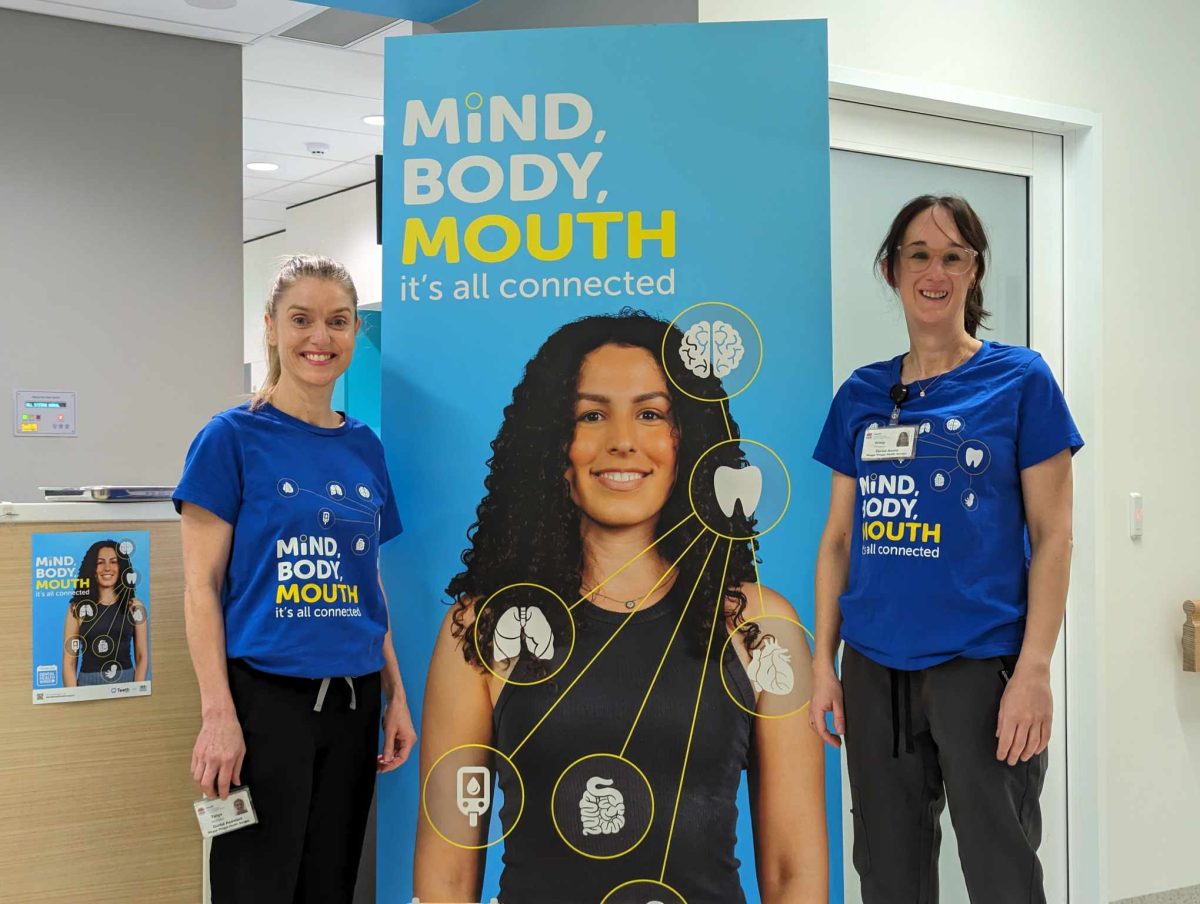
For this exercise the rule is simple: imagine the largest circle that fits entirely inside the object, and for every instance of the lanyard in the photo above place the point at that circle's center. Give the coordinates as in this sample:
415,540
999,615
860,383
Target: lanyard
898,394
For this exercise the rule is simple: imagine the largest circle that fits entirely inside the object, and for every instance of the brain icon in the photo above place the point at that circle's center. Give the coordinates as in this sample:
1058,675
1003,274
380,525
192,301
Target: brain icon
712,349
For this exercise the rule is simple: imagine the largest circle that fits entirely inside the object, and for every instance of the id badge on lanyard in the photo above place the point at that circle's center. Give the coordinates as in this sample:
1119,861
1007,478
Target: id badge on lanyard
890,443
896,441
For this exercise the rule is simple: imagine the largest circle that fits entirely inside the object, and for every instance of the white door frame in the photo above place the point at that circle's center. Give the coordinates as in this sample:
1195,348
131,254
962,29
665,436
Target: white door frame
1081,135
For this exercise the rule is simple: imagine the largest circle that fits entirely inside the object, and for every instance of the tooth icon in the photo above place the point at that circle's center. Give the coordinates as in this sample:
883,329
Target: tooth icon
523,625
973,457
732,484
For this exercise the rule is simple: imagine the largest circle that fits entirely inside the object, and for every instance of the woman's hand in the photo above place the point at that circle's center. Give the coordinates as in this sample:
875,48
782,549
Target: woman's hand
399,736
218,754
827,698
1026,714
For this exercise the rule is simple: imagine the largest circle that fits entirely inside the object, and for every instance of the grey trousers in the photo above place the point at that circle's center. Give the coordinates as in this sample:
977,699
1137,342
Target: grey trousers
917,739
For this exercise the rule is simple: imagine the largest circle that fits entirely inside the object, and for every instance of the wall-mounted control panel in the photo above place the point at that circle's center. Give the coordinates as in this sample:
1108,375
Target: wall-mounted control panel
43,413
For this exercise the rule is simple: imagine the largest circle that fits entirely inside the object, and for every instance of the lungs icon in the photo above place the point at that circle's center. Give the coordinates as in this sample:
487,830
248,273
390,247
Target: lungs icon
523,626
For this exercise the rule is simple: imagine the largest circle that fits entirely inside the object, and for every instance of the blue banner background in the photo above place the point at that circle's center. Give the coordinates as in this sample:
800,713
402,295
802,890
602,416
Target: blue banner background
725,124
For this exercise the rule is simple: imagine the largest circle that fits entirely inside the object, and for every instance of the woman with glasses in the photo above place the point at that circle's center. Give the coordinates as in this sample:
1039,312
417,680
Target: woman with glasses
944,566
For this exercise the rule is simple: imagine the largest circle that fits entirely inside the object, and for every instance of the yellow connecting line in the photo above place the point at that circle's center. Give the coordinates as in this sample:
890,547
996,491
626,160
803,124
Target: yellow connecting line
613,637
667,651
762,606
718,615
587,595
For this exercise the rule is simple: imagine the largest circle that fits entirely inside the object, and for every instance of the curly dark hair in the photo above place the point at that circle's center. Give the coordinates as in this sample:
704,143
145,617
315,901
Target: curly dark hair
87,585
528,527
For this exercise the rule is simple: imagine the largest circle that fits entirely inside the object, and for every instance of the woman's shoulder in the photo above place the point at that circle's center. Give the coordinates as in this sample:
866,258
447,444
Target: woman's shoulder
762,600
869,377
1016,357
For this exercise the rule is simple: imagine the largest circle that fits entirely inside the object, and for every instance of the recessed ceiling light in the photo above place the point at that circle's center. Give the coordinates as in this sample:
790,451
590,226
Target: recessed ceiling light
373,120
262,167
212,4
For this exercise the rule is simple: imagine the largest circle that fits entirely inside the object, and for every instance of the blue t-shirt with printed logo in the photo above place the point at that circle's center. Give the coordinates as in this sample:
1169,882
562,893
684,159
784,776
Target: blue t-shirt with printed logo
939,553
309,507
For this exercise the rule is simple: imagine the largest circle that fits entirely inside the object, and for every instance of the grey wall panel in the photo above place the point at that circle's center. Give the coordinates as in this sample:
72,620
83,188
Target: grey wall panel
120,244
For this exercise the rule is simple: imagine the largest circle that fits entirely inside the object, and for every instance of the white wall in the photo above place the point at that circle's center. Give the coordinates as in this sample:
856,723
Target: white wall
1136,65
119,244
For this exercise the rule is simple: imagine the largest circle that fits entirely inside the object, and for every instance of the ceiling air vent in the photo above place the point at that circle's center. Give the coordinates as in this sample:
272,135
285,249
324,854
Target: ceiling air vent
338,28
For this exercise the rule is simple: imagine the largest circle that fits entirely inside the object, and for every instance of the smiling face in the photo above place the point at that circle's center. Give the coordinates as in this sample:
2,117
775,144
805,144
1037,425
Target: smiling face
313,331
622,456
108,568
932,298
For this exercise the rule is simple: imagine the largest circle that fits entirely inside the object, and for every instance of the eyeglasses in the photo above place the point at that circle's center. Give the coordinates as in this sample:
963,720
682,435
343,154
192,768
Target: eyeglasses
955,261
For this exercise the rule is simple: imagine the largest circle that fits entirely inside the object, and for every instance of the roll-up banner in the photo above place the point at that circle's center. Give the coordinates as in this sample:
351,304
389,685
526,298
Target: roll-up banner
606,275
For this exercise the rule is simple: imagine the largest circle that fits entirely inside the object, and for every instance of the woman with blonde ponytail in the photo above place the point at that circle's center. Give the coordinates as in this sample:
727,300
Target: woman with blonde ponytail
284,505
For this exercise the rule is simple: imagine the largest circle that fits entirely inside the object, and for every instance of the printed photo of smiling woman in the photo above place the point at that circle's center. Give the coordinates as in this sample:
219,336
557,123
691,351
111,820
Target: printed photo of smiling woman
284,504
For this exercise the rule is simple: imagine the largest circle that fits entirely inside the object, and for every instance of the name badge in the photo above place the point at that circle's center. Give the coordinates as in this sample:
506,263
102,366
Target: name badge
890,443
218,816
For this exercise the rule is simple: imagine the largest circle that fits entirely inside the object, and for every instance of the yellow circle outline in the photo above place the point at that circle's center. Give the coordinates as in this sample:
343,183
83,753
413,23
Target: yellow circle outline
786,476
425,797
724,680
467,101
673,891
479,653
554,815
753,376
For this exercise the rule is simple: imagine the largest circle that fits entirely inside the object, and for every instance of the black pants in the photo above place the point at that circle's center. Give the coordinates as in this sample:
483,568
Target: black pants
916,739
311,777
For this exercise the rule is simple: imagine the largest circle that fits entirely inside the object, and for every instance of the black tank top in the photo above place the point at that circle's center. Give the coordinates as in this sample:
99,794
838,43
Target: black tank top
595,717
114,624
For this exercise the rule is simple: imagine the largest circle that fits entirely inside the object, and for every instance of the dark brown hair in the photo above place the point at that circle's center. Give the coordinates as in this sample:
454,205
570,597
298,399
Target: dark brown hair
968,225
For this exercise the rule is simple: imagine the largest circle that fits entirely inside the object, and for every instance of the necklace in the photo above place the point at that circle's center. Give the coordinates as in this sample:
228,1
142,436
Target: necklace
628,604
928,387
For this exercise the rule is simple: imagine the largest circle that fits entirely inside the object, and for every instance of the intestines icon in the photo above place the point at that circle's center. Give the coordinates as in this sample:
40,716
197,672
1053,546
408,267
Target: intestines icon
602,808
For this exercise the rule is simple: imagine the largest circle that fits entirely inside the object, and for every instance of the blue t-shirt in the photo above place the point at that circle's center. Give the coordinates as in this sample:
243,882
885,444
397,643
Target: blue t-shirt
310,507
939,553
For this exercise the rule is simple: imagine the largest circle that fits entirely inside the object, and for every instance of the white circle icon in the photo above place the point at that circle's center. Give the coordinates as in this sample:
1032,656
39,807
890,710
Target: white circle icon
287,487
363,491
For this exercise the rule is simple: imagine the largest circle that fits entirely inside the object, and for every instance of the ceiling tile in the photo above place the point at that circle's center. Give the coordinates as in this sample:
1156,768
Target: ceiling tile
256,185
300,106
283,62
345,176
291,168
283,138
375,43
244,23
297,193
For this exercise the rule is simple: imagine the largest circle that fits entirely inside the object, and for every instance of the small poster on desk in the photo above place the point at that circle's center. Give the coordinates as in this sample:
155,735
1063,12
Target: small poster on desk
91,616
